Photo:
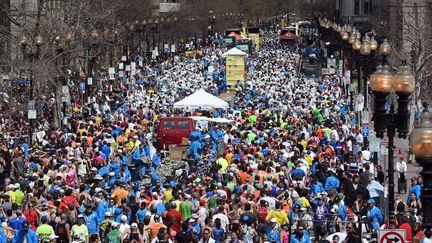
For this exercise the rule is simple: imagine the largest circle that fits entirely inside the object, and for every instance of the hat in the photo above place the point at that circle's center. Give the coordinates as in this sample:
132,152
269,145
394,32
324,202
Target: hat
302,209
17,185
53,236
111,174
114,224
123,218
147,214
134,225
191,220
98,177
25,225
80,216
273,220
371,201
107,214
98,189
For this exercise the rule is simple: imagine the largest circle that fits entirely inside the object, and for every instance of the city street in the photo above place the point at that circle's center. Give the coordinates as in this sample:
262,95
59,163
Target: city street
215,121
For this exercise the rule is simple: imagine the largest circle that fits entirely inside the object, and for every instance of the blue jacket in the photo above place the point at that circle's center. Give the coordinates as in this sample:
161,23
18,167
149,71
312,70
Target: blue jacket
375,217
342,212
318,188
2,237
31,237
305,238
332,182
92,223
194,148
137,154
15,223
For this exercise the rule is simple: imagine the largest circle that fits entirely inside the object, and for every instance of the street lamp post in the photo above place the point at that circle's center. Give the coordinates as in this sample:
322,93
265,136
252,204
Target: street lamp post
421,146
384,85
32,56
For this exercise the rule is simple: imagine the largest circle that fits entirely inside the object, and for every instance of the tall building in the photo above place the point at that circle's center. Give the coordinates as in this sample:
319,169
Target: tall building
354,11
4,34
167,6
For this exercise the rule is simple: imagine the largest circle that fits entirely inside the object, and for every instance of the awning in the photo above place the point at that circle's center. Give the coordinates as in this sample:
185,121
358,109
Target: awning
289,36
235,35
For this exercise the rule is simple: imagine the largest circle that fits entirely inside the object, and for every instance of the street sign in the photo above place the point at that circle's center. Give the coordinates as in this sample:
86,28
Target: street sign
31,114
32,105
365,131
65,89
391,236
374,145
325,71
82,86
365,117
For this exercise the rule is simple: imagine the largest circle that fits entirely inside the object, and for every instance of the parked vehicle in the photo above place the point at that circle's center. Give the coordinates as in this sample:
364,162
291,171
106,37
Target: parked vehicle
172,130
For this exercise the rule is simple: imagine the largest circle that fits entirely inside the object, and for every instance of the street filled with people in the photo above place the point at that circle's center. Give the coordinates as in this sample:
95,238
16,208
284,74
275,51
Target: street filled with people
291,165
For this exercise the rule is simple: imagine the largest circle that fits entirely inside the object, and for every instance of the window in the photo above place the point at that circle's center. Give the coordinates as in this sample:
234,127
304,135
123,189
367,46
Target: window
168,125
183,124
356,7
366,7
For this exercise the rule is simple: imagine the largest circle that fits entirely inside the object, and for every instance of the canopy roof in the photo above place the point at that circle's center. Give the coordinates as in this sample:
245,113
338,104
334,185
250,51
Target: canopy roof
201,99
289,36
217,120
234,52
235,35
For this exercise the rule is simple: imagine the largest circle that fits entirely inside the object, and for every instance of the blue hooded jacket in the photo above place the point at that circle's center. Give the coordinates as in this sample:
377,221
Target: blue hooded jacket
31,237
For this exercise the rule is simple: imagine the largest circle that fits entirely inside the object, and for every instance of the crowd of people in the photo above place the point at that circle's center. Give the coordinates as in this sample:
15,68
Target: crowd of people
292,166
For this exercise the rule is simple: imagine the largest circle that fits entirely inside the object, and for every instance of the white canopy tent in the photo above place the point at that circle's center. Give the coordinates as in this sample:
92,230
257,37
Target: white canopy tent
201,99
234,52
216,120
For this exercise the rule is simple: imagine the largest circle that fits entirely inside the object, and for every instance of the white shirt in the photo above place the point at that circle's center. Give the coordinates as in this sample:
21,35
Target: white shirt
401,167
209,241
374,187
359,138
223,218
271,202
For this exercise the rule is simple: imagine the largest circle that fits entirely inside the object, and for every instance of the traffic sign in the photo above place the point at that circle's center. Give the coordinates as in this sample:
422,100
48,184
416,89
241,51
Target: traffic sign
374,145
391,236
365,131
325,71
365,117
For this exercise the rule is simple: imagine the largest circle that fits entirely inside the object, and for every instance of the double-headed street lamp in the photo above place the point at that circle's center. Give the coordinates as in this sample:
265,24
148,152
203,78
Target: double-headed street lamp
421,147
389,89
31,53
386,89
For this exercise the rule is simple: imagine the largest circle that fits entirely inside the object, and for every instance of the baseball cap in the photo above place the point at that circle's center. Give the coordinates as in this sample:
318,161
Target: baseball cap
123,218
371,201
273,220
53,236
80,216
25,225
134,225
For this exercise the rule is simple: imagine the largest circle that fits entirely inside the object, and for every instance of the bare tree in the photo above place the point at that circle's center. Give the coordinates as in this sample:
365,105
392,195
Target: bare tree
408,28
